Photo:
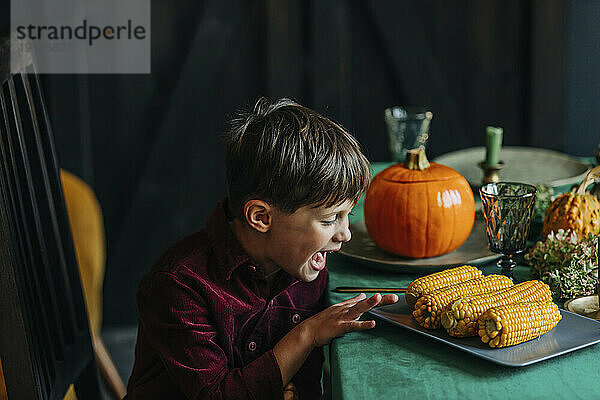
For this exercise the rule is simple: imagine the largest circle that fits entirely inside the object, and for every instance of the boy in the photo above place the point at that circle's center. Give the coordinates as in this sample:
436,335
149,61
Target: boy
235,310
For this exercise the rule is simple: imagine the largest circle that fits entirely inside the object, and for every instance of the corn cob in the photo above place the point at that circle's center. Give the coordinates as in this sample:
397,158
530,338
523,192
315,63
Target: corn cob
438,280
460,317
516,323
429,307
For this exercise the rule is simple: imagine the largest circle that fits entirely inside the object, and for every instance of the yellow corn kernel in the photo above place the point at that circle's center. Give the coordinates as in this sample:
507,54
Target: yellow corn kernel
442,297
526,320
460,317
438,280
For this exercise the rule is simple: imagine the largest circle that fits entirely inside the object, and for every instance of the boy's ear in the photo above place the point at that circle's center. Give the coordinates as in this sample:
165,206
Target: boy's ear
258,215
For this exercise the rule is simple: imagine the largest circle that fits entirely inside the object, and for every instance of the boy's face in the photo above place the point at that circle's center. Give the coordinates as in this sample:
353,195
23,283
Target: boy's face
299,242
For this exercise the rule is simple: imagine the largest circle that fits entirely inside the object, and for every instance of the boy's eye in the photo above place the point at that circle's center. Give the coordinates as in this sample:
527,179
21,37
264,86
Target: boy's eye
335,219
332,221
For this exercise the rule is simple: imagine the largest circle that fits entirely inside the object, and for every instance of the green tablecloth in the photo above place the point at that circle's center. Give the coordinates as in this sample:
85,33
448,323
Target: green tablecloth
389,362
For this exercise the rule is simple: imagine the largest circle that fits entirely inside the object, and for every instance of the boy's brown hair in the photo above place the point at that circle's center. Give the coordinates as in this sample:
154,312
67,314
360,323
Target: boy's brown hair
291,156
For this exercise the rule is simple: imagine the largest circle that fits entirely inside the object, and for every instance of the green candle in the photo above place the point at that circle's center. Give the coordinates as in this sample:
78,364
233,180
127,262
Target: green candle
493,145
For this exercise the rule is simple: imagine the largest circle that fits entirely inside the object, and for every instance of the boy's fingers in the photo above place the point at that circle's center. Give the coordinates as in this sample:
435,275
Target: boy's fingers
352,326
388,299
354,299
363,306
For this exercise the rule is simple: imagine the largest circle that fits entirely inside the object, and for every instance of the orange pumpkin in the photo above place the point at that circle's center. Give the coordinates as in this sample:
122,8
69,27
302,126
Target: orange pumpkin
417,209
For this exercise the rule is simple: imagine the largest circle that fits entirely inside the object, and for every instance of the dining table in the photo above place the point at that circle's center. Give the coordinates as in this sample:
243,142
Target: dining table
390,362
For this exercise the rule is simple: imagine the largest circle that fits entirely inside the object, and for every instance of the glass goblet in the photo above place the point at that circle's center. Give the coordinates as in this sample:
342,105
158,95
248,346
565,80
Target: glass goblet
407,128
507,209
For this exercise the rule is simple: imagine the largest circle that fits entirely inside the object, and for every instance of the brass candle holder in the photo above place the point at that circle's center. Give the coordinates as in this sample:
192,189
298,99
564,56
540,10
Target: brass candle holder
490,172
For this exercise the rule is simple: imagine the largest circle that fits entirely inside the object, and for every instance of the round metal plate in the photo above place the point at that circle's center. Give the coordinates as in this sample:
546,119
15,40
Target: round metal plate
364,251
521,164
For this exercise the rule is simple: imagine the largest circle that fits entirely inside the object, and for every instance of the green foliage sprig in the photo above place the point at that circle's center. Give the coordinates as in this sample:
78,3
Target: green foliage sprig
564,262
543,199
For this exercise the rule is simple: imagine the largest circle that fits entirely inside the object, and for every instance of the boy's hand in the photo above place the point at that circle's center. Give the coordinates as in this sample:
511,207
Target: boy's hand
293,349
342,318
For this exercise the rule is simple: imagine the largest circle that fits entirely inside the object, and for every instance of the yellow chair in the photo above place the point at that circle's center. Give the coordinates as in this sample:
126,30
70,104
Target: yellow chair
87,228
3,395
45,340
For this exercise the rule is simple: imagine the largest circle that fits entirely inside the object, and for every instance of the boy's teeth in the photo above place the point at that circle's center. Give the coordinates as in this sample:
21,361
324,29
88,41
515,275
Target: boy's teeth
318,260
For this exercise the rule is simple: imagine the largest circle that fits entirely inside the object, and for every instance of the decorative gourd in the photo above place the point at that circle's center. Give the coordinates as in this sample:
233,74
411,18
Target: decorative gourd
417,209
577,210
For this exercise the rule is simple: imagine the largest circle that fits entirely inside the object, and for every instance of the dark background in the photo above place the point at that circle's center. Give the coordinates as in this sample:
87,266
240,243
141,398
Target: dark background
149,145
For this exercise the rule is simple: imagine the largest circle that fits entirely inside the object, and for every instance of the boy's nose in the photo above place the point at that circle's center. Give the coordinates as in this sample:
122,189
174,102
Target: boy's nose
344,235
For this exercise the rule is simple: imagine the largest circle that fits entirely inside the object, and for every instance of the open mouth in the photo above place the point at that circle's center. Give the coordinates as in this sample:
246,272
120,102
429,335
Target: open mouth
319,259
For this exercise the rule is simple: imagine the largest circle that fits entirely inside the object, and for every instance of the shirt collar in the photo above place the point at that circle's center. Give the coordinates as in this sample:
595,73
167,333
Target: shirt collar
227,249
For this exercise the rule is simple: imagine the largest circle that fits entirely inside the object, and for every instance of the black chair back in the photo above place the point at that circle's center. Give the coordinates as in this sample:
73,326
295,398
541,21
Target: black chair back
45,342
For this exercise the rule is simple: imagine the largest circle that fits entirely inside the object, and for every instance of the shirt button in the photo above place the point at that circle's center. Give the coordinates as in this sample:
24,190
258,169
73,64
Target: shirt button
295,318
252,346
271,303
252,268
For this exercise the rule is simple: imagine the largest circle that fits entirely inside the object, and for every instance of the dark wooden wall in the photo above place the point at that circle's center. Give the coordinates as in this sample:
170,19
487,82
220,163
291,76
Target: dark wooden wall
150,147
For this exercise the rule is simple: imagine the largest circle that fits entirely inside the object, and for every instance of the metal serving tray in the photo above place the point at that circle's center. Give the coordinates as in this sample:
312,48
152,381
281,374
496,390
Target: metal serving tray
573,332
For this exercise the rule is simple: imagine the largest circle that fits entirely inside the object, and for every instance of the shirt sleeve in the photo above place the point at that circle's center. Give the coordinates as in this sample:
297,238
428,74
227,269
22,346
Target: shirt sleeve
179,327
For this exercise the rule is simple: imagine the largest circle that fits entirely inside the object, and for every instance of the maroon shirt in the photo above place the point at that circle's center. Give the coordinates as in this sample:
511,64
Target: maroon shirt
208,323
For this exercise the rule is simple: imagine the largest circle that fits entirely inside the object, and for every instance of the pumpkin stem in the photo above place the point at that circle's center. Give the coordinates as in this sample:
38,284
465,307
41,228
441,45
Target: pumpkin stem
416,159
589,178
